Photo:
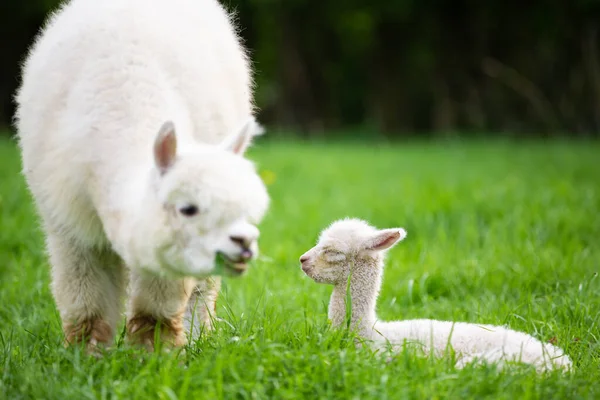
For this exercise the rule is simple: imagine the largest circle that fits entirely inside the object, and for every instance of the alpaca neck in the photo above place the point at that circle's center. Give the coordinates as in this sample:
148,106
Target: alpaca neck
132,217
365,283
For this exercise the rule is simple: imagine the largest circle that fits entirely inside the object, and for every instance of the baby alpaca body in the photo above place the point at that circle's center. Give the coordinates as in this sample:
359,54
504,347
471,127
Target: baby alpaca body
353,250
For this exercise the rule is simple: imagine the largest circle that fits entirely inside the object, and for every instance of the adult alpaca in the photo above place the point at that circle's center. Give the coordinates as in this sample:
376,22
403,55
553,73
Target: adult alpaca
133,117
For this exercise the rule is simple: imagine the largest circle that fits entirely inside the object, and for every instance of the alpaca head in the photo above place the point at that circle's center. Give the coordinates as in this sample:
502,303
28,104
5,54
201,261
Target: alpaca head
345,243
212,199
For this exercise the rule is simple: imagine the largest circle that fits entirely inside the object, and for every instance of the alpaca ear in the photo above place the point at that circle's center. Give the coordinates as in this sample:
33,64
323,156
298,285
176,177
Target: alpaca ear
385,239
165,147
239,142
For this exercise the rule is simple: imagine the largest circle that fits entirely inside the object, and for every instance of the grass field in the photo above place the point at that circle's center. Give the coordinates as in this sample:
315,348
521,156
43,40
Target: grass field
498,233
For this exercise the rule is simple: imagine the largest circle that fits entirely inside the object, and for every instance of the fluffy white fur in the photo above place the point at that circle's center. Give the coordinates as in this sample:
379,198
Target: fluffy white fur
352,249
133,117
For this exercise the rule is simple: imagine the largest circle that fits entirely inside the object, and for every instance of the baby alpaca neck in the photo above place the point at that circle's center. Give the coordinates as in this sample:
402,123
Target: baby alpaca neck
365,283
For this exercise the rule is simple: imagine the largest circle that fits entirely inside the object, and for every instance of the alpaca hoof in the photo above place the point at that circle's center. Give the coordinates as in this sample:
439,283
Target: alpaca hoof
94,332
141,331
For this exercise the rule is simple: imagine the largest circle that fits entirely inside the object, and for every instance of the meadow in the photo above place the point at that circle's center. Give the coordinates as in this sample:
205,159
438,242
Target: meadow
499,232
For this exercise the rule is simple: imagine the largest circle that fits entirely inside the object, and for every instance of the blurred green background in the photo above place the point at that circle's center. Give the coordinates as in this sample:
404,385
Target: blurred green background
398,67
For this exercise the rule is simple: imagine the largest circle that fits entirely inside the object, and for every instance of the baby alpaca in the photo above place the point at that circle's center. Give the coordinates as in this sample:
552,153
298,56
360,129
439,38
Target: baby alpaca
133,117
353,249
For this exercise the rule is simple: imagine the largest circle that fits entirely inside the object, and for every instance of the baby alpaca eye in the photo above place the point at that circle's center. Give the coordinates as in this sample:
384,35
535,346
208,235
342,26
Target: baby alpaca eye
334,256
189,210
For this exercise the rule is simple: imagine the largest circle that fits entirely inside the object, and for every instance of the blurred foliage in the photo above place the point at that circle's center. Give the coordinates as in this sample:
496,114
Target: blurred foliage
399,66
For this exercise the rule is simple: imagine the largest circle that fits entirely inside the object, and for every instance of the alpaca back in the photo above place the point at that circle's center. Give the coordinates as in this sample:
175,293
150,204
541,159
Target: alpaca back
157,54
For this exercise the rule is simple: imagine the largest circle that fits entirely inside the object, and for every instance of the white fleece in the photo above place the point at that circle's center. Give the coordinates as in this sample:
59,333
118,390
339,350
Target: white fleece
352,249
132,118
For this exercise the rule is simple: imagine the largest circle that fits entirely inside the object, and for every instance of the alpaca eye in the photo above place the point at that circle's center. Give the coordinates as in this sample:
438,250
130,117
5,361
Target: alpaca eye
334,256
189,210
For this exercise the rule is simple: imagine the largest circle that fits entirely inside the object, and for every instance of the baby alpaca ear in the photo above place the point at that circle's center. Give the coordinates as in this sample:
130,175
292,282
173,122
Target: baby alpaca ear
165,147
385,239
239,142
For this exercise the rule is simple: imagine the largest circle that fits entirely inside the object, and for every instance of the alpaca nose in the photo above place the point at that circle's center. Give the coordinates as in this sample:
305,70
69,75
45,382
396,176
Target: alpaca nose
244,243
303,259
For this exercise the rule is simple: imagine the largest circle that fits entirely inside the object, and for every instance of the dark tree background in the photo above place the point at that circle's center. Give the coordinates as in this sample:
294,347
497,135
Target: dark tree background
399,67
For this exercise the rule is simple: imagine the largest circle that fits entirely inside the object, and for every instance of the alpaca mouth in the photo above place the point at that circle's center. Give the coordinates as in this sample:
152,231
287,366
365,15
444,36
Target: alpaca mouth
231,266
306,269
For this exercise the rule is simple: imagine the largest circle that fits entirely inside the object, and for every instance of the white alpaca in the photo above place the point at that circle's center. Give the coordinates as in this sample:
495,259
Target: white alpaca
133,117
352,249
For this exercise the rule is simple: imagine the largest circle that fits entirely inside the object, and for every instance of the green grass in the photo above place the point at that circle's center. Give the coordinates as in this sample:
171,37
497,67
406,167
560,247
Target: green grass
498,233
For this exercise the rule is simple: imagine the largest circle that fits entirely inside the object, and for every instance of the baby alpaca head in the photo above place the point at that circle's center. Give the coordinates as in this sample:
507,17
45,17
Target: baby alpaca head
346,241
212,199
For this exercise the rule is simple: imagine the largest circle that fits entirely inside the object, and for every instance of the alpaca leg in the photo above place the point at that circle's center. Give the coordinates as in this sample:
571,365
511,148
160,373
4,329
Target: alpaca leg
157,304
87,285
201,309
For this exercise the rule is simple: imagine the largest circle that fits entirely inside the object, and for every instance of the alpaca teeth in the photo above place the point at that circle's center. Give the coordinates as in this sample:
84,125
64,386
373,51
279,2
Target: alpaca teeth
239,266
